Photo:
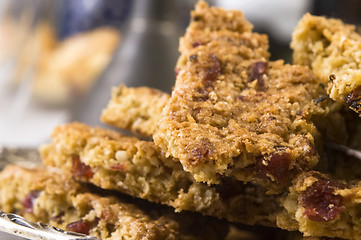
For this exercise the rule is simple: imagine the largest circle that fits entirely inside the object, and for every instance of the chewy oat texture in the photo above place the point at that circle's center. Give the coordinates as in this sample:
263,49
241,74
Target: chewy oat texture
232,116
135,109
52,197
112,161
333,50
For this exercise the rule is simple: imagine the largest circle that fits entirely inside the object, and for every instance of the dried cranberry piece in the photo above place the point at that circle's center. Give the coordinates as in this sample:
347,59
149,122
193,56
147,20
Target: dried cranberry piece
201,95
79,169
119,167
82,226
258,69
353,99
277,165
196,44
320,201
29,199
211,73
201,152
79,227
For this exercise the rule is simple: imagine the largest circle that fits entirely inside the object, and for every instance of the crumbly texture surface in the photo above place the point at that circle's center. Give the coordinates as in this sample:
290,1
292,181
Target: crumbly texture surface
232,116
332,49
135,109
53,197
138,168
319,205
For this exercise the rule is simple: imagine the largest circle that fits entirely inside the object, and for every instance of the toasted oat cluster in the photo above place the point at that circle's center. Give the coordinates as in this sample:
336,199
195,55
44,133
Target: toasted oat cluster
135,109
53,197
332,49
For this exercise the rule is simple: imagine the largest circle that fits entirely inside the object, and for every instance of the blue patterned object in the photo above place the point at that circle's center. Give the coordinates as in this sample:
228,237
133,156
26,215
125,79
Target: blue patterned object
83,15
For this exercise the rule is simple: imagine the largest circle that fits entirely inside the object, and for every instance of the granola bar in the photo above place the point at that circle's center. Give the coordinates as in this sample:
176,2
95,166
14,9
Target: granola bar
138,168
238,115
53,197
135,109
88,152
331,48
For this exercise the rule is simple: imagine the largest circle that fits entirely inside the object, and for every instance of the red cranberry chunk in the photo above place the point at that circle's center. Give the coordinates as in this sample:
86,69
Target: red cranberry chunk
201,152
277,165
79,227
201,95
79,169
258,69
82,226
119,167
28,201
196,44
320,201
212,72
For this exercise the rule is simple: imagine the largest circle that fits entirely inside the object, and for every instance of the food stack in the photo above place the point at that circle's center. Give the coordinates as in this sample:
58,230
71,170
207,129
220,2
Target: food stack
241,138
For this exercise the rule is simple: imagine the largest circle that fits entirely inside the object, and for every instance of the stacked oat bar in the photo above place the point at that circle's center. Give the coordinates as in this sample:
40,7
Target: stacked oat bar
240,138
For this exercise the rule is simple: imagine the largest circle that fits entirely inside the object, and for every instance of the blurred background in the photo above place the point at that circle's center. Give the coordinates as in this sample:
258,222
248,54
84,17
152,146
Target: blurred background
60,58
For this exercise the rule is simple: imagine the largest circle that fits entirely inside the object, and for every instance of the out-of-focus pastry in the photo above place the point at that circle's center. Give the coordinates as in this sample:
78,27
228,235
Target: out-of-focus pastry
74,65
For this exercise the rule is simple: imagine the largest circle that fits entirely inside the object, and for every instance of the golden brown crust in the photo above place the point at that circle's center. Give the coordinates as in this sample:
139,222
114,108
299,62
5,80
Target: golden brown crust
331,48
228,125
58,200
232,113
135,109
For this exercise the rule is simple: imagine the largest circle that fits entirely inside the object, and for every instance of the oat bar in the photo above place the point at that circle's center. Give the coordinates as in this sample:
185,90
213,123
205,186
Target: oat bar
236,114
332,49
135,109
53,197
112,161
